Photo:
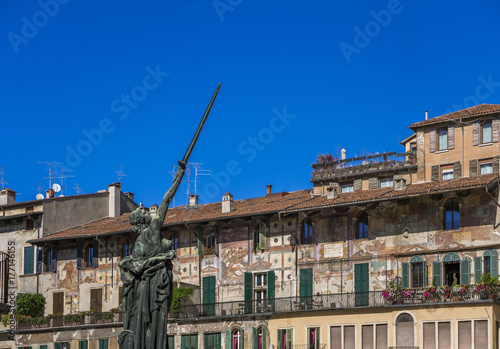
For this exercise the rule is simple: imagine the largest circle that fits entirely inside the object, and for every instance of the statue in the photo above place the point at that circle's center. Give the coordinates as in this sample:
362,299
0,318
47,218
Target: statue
147,275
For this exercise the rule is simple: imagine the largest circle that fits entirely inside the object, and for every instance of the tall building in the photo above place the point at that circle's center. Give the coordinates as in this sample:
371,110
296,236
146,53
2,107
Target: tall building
384,251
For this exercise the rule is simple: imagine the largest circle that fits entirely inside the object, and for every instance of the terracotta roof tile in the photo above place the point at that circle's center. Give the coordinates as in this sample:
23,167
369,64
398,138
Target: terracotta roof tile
294,201
478,110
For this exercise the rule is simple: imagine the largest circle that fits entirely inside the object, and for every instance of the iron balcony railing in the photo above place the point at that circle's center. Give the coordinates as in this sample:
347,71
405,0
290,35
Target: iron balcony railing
70,320
336,301
4,279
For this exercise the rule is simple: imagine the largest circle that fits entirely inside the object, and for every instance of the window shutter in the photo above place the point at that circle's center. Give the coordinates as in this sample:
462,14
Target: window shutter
496,164
436,273
39,261
465,272
373,183
241,342
494,263
473,168
262,236
227,338
475,133
495,132
29,258
79,257
270,284
280,339
451,136
457,170
58,346
435,173
81,345
425,274
95,255
406,274
248,292
478,268
289,338
171,341
306,279
255,338
53,265
46,346
357,184
432,140
200,241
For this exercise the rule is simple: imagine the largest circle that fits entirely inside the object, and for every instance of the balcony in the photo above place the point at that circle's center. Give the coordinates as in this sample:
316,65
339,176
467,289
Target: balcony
327,302
358,167
86,319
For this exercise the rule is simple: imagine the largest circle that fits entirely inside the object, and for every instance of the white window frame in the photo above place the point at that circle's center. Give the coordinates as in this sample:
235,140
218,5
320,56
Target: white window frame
347,188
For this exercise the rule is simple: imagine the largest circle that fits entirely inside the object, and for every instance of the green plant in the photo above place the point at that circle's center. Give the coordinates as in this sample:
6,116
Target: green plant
177,296
6,318
29,304
78,317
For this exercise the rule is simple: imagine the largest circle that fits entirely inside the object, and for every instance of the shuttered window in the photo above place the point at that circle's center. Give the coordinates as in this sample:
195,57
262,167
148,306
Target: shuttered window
103,344
212,341
171,341
465,272
82,345
361,284
442,143
189,341
29,260
285,338
209,295
437,271
58,303
306,284
96,299
405,271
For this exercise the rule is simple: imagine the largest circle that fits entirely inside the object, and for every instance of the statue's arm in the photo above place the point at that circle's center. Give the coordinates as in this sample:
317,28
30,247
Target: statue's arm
169,195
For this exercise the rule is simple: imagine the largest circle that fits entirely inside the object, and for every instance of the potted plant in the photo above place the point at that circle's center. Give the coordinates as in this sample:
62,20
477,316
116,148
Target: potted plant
488,286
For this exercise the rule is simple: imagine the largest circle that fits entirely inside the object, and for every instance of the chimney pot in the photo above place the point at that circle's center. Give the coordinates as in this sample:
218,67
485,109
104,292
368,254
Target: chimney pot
400,184
426,115
193,200
332,192
269,188
343,154
7,197
227,203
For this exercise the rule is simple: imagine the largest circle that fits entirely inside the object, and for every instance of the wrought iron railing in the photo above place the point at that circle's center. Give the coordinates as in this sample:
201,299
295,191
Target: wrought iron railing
70,320
4,278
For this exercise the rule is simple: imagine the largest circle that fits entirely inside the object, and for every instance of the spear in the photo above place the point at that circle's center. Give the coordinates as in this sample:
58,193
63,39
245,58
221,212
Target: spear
198,131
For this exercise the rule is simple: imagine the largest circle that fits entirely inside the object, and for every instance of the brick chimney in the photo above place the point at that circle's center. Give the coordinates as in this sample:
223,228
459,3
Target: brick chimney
227,203
269,188
114,190
7,197
193,200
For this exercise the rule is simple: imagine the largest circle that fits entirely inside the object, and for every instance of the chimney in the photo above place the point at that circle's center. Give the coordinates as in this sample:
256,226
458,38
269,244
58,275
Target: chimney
269,188
227,203
153,209
114,190
343,154
426,115
332,192
7,197
130,195
50,193
193,200
400,184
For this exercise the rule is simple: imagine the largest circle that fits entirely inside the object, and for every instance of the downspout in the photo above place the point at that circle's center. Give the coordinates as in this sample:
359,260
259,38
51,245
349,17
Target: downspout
112,266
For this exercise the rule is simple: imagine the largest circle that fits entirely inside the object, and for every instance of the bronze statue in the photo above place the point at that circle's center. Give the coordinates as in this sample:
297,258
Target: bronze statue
147,275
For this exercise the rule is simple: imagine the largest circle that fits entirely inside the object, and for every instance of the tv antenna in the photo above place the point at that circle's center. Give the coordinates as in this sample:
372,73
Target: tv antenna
63,180
3,180
199,172
120,174
78,189
52,173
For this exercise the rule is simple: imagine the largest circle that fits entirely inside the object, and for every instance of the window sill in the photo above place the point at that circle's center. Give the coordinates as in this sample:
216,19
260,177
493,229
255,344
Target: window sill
457,230
441,151
485,144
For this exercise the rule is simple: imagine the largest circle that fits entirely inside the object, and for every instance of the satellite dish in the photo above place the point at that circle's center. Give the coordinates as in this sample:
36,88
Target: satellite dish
61,195
56,188
39,196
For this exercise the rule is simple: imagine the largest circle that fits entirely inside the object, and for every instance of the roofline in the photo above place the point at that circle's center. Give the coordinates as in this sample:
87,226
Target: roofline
414,126
62,198
21,215
404,141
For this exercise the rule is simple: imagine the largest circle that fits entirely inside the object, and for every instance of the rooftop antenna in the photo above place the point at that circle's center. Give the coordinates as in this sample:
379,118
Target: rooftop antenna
78,189
199,172
63,180
120,174
40,196
3,181
51,172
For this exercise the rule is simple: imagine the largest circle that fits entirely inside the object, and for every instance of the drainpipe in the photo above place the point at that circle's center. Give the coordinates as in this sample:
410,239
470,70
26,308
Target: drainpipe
112,265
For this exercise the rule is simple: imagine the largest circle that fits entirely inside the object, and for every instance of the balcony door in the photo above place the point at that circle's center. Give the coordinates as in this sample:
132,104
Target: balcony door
361,284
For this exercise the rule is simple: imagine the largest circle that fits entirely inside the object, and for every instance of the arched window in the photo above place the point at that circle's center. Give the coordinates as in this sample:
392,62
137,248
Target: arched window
237,339
362,225
418,271
127,249
307,232
405,336
451,215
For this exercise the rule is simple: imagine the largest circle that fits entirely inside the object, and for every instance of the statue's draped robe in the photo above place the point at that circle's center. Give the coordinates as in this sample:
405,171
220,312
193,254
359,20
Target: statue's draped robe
146,297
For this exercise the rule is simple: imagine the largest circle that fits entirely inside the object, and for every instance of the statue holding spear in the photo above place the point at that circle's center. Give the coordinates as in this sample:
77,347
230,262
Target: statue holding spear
147,275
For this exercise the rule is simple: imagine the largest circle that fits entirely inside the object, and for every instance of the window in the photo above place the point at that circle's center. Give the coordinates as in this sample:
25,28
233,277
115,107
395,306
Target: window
443,338
486,132
237,339
103,344
51,260
413,146
405,331
83,345
442,143
90,257
174,237
209,295
189,341
285,338
260,236
212,341
446,172
96,300
470,332
486,166
127,249
260,287
362,225
488,263
61,345
347,188
58,303
307,232
343,339
313,338
260,336
210,243
29,224
451,215
386,183
29,260
418,272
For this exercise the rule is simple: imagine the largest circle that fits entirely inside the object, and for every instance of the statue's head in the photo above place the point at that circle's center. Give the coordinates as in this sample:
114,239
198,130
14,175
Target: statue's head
138,219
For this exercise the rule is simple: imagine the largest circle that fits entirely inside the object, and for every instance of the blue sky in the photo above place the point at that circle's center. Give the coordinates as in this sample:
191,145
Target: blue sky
93,85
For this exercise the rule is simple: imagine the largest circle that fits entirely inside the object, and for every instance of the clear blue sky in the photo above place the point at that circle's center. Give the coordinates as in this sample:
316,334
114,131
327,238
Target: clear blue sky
135,77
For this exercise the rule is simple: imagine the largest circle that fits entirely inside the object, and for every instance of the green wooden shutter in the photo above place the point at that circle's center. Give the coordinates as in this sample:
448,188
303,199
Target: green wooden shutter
255,338
306,285
81,345
200,241
227,335
57,346
270,284
289,338
437,268
95,256
262,236
248,292
209,341
183,342
103,344
209,295
425,274
265,337
44,346
318,338
494,264
194,341
171,342
405,269
465,272
241,342
280,339
361,284
478,268
29,260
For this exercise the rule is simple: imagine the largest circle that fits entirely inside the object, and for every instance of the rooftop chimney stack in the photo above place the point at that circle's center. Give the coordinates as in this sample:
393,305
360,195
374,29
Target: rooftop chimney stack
227,203
332,192
50,193
114,190
7,197
130,195
400,184
343,154
269,188
153,209
426,115
193,200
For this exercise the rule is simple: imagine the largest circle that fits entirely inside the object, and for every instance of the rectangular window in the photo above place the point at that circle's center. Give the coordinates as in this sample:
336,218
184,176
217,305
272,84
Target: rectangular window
464,335
442,139
210,243
386,183
175,240
58,303
29,260
96,300
212,340
260,290
83,345
413,146
103,344
486,166
285,338
480,334
444,335
347,188
486,132
446,174
367,336
349,338
189,341
314,338
61,345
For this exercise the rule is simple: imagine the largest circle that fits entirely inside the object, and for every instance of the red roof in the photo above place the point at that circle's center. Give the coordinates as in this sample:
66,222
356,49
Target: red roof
273,203
482,109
